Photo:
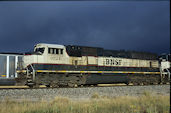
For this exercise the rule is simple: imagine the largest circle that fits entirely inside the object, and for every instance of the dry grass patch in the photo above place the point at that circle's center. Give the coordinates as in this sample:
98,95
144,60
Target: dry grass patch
97,104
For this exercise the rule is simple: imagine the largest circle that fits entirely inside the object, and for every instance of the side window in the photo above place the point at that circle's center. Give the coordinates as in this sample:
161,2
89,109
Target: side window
53,50
57,51
49,50
61,51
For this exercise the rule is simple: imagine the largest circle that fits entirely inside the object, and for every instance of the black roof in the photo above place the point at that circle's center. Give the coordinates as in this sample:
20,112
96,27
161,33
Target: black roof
78,51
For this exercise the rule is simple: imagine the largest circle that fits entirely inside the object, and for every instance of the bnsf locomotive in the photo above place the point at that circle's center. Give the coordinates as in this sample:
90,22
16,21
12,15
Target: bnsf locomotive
69,66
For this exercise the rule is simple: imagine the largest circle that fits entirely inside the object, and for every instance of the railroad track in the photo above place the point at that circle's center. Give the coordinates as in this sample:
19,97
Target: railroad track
90,86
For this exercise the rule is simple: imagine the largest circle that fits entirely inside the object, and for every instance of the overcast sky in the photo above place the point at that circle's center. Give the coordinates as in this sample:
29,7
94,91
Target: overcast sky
132,25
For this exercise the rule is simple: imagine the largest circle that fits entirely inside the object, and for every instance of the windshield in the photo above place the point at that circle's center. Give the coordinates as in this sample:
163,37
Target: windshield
39,50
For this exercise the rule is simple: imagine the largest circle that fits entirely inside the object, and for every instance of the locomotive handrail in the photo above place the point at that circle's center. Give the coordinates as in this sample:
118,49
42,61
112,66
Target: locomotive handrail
27,71
168,73
33,72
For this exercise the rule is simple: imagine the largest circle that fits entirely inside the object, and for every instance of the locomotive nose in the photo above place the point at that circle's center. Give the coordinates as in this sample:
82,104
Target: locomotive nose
28,59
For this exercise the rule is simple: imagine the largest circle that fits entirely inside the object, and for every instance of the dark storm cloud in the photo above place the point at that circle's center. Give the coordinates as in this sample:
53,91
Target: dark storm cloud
142,26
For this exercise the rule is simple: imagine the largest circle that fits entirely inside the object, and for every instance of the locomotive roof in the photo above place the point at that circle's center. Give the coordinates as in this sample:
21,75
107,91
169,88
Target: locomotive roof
51,45
75,50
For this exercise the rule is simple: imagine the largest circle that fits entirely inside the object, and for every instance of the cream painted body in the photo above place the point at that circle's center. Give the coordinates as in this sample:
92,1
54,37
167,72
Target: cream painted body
64,58
165,65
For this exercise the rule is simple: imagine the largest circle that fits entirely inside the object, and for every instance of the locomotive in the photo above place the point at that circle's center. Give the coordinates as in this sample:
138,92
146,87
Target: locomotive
56,65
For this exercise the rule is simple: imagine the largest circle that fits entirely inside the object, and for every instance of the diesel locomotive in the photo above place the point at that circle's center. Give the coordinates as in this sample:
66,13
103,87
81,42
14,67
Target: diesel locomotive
56,65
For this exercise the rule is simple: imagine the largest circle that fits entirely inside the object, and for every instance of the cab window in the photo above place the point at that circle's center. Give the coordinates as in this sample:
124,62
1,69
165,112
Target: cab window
39,50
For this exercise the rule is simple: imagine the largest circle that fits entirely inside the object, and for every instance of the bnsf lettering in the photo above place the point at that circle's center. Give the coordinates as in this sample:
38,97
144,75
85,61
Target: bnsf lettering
107,61
113,62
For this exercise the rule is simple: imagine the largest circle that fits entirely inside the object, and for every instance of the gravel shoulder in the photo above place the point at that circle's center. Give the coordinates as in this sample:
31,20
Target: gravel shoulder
81,93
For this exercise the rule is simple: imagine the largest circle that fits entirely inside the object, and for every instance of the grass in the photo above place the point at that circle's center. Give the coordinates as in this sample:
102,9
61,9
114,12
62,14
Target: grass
97,104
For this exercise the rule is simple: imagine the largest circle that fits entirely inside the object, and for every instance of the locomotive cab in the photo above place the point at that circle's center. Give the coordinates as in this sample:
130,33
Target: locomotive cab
46,54
37,56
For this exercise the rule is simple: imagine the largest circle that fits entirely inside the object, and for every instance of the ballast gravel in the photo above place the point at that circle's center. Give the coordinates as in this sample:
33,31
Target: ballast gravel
81,93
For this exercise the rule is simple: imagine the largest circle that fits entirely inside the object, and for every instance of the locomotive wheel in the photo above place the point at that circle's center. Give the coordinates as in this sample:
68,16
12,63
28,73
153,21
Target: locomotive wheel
54,85
95,85
72,85
145,83
86,85
152,83
80,85
127,83
141,83
135,83
164,82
